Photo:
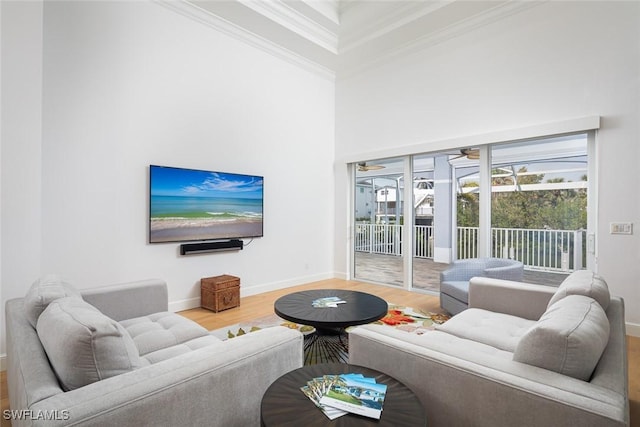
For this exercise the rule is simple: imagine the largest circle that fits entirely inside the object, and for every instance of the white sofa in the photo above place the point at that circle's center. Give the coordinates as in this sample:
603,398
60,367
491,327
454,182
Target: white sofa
114,356
521,355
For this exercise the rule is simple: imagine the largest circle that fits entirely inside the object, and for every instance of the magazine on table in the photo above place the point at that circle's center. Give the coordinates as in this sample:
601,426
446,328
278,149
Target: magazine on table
327,302
337,395
315,389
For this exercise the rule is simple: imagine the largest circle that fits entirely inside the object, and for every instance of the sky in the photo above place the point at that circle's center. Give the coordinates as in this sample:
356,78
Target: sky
169,181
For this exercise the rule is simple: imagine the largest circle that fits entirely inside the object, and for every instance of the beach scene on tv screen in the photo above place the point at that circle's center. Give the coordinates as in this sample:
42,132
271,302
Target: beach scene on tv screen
188,204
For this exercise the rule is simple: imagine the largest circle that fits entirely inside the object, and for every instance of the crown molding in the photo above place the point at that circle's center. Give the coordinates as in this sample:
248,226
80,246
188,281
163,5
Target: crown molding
330,9
280,12
400,15
198,14
416,44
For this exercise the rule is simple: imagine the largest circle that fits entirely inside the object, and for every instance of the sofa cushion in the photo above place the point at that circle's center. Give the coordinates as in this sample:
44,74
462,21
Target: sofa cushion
185,347
569,338
44,290
583,282
449,346
83,345
161,330
498,330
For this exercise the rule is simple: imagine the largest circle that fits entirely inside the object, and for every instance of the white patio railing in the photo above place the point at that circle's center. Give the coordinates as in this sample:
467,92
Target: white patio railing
379,238
542,249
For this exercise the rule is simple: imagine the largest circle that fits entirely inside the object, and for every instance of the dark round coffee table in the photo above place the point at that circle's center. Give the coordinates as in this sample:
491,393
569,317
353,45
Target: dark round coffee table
284,404
329,343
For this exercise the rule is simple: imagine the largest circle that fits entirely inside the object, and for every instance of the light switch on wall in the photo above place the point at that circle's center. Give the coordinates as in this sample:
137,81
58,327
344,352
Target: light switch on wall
621,228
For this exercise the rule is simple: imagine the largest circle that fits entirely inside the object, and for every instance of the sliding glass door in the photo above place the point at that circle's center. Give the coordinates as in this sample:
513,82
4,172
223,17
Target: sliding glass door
378,215
525,200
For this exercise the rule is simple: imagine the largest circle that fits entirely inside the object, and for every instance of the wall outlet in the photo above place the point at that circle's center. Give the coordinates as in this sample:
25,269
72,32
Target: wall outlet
621,228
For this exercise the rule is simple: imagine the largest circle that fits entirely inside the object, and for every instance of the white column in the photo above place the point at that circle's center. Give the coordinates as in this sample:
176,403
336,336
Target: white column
484,232
443,196
409,220
592,202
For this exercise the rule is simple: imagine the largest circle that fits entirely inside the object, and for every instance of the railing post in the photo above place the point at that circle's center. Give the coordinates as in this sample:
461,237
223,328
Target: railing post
577,250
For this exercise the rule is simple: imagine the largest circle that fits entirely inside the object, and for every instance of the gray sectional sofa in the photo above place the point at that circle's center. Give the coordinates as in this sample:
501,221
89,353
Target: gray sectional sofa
521,355
114,356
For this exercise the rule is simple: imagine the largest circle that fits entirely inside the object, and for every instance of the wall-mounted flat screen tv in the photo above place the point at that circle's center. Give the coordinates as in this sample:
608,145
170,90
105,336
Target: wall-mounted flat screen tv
195,205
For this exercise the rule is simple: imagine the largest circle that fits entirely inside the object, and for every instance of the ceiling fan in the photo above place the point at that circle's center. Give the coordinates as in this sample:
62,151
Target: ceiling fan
364,167
469,153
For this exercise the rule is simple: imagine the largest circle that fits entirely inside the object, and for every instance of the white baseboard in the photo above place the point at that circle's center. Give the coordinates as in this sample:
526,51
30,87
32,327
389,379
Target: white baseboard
340,275
184,304
633,329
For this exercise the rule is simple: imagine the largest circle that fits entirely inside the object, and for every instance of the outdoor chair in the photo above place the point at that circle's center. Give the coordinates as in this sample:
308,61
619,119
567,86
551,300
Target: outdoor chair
454,281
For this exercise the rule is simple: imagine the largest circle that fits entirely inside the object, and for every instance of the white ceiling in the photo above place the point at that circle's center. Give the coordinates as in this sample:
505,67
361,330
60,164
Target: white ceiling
342,36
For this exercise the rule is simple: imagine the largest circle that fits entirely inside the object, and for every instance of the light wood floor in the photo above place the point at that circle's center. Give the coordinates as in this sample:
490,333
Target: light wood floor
262,305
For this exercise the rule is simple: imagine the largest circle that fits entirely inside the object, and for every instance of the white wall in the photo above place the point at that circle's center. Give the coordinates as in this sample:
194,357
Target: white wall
21,129
128,84
552,62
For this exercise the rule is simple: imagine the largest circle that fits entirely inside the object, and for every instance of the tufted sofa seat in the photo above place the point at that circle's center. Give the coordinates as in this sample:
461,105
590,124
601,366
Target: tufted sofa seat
160,336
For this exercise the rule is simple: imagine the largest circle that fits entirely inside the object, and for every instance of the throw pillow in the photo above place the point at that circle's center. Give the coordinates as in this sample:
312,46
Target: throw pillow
42,292
583,282
83,345
569,338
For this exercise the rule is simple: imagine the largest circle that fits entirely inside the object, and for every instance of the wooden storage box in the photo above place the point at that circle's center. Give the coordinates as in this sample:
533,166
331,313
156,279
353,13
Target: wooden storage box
220,292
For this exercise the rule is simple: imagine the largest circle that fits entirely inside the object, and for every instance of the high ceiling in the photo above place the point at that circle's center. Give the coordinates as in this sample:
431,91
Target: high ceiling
342,36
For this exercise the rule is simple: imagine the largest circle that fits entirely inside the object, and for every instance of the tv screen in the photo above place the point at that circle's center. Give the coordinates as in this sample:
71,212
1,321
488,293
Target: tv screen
188,205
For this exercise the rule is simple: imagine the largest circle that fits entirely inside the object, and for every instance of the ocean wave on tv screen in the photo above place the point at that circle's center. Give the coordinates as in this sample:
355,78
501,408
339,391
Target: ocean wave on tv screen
195,207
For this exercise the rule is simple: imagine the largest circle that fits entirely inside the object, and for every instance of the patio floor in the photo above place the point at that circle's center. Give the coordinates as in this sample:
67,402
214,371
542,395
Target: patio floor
388,269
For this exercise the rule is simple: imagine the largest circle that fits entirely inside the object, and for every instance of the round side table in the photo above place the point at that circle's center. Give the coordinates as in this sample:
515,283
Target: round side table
284,404
329,343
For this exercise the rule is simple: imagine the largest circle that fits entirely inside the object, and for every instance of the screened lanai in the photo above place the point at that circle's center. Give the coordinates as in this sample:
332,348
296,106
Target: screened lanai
534,195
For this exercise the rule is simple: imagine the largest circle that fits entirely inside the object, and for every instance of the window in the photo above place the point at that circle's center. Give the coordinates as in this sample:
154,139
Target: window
533,195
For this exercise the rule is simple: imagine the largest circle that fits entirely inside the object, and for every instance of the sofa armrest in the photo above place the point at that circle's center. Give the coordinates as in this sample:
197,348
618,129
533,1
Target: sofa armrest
462,270
129,300
509,297
220,384
513,271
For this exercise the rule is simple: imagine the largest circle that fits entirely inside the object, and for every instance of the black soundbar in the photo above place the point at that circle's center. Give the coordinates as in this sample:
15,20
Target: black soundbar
198,248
